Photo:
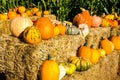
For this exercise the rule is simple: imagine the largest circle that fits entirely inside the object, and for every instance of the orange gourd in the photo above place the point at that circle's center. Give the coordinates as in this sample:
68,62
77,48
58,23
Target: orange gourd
107,45
18,25
62,29
82,18
46,27
11,14
21,9
95,56
49,70
116,42
84,51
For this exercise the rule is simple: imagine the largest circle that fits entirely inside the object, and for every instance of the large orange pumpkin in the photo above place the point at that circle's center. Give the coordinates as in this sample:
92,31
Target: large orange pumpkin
46,27
18,25
49,70
82,18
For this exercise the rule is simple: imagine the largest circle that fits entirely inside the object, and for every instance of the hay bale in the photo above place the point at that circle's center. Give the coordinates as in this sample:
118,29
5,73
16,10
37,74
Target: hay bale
95,35
4,27
22,61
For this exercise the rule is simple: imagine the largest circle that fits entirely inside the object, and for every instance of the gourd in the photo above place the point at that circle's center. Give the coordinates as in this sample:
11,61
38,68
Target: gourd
49,70
62,29
62,72
83,30
71,29
95,56
56,31
82,64
116,41
32,35
107,45
102,52
46,27
70,67
18,25
84,51
82,18
96,21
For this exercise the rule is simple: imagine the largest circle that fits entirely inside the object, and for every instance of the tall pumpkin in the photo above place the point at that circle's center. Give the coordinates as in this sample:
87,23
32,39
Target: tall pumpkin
49,70
46,27
18,25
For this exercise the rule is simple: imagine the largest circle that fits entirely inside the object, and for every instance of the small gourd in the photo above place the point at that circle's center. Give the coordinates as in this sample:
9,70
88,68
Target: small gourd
32,35
116,41
71,29
82,64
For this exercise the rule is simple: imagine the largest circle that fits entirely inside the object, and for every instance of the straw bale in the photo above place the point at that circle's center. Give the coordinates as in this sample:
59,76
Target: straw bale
95,35
4,27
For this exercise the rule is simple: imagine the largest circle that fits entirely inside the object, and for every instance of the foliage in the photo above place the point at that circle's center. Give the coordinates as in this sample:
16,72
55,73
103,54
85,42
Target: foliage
65,9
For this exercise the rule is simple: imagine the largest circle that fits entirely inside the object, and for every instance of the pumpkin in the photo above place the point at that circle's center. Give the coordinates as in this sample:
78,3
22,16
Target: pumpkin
71,29
11,14
82,18
46,27
32,35
82,64
83,30
95,56
46,12
70,67
107,45
49,70
102,52
18,25
3,17
116,41
62,29
96,21
105,23
56,31
84,51
21,9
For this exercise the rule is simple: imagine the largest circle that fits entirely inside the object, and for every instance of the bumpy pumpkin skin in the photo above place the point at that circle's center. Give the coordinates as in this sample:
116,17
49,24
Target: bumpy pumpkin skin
49,70
46,27
32,35
18,25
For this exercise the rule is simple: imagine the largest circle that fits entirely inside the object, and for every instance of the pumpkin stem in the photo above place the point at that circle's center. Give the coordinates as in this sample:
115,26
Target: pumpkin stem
82,9
48,57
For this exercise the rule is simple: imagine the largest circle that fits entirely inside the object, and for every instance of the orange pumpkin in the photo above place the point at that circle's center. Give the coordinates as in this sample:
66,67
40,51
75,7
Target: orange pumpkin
21,9
18,25
11,14
49,70
84,51
46,27
116,42
82,18
107,45
62,29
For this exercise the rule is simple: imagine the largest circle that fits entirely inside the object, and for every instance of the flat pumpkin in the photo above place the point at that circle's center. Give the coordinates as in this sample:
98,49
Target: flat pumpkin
18,25
46,27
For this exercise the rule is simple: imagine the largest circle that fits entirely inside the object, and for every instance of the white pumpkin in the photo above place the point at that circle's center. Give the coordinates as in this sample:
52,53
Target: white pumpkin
83,29
18,25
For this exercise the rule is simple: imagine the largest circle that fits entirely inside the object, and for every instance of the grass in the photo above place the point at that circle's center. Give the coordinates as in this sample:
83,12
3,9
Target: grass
65,9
